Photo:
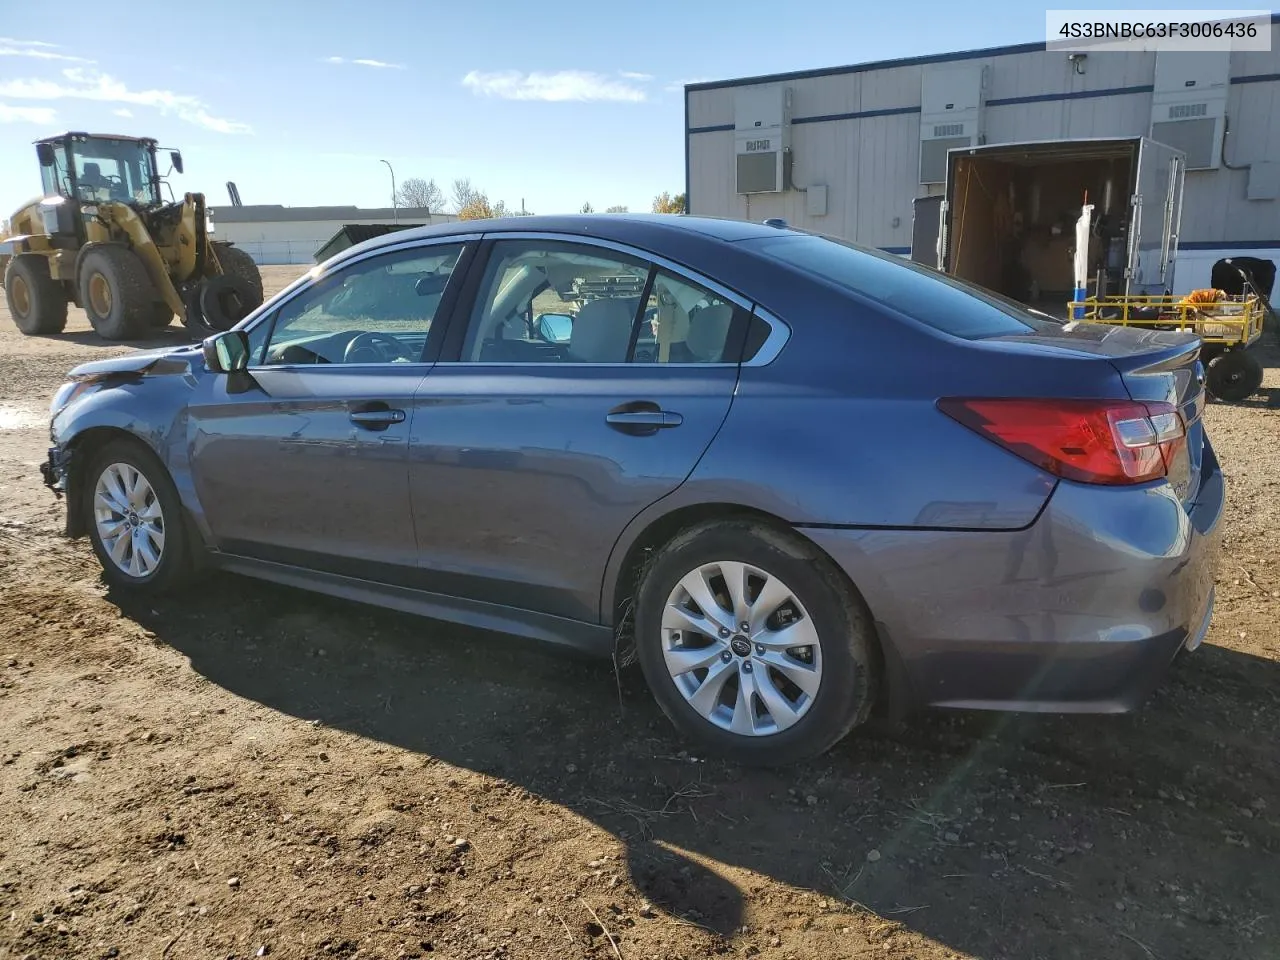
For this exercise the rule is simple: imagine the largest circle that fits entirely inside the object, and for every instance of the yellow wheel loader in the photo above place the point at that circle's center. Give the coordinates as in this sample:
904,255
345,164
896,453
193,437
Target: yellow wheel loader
103,238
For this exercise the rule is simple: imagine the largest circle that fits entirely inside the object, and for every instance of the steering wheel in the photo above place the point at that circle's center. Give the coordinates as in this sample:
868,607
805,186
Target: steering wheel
375,342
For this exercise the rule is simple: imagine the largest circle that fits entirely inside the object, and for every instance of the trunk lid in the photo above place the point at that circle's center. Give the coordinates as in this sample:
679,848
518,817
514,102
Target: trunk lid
1154,366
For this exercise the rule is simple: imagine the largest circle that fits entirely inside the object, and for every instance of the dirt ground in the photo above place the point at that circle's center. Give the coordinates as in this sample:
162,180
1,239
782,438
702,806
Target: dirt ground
246,770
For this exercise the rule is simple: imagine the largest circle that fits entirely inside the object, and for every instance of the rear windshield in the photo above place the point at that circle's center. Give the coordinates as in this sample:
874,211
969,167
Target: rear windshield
925,295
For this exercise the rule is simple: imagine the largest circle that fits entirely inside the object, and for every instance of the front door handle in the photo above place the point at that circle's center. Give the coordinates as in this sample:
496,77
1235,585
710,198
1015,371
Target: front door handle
376,419
646,418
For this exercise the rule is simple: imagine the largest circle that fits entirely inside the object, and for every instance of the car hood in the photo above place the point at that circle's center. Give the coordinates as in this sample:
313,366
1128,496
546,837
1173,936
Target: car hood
165,360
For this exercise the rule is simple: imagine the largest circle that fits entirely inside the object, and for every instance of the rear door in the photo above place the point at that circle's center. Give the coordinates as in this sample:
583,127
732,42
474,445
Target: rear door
1155,211
532,450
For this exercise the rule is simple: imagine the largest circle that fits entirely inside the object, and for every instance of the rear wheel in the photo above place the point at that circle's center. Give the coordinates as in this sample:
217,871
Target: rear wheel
36,301
753,644
134,518
1233,376
116,292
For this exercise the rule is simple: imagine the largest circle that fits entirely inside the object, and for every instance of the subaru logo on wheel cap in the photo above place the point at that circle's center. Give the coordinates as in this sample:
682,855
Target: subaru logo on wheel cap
740,645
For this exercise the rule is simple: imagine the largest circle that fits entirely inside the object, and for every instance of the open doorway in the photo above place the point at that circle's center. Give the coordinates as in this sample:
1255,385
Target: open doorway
1014,222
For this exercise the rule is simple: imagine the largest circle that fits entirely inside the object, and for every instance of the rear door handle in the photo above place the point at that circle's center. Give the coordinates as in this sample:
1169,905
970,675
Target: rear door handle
376,419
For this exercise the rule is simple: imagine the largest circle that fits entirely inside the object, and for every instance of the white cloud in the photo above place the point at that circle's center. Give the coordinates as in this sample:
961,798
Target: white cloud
82,84
40,115
123,112
40,54
632,75
365,62
559,85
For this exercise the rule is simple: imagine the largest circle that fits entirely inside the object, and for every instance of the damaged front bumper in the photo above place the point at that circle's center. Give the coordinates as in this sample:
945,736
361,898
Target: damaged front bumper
54,470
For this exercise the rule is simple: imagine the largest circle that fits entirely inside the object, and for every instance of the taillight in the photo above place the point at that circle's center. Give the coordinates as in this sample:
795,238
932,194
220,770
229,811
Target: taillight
1092,441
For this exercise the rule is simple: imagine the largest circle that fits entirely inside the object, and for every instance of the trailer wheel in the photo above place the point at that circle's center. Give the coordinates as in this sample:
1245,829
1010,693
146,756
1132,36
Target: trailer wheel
116,292
1233,376
36,300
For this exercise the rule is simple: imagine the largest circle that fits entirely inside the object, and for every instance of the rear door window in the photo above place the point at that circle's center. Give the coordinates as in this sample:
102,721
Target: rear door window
924,295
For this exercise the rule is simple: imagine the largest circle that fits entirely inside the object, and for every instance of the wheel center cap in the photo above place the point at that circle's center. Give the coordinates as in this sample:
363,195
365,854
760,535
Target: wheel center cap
133,518
740,645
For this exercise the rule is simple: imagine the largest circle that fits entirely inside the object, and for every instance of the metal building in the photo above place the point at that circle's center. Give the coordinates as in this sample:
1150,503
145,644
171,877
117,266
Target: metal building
271,233
847,150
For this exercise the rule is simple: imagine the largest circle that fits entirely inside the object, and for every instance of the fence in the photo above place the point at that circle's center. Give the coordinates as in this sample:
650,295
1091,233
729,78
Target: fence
268,252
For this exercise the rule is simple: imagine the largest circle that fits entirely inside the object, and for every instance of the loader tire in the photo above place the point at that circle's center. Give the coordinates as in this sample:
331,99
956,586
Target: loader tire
224,301
116,293
236,263
160,317
36,301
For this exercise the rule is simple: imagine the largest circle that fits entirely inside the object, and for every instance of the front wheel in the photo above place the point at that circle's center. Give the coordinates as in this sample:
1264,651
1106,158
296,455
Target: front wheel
135,519
753,643
116,292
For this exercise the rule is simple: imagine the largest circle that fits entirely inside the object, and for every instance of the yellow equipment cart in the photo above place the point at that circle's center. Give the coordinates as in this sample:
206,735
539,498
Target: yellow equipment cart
1227,326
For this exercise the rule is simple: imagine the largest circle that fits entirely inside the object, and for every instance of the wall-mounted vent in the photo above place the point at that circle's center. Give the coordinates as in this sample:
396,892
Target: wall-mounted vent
951,97
1189,104
762,140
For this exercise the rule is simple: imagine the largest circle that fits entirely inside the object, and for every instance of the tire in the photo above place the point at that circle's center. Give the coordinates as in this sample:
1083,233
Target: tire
172,563
37,302
160,317
116,292
1233,376
224,301
843,656
236,263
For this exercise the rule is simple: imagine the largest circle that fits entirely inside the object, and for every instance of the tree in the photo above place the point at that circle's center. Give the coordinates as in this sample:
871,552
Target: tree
424,194
464,195
665,203
616,209
587,208
478,207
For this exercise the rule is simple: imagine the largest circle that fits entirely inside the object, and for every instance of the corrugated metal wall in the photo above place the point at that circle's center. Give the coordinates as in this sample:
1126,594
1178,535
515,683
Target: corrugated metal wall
869,161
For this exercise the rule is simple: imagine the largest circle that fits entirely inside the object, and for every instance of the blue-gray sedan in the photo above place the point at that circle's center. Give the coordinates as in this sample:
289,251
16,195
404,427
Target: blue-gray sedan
792,477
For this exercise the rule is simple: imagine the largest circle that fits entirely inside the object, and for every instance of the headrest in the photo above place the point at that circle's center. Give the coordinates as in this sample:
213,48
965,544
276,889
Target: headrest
601,332
708,332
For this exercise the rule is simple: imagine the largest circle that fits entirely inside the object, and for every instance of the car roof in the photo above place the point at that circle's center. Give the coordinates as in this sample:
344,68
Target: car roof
645,230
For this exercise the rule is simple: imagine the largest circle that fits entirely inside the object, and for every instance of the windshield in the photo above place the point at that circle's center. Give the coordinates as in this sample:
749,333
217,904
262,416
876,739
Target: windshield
108,169
925,295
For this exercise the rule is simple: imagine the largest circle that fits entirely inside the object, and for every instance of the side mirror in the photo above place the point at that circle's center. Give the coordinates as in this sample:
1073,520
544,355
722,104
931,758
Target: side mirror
45,152
176,159
555,327
226,352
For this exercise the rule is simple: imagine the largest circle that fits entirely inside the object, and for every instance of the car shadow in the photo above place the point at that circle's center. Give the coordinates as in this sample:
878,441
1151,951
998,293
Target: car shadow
1000,836
174,335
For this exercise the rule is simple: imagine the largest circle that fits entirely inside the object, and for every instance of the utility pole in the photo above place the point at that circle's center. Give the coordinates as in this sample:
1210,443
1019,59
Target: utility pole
395,210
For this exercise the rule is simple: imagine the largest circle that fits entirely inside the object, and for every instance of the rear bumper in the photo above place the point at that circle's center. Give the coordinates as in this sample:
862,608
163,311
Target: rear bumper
1082,612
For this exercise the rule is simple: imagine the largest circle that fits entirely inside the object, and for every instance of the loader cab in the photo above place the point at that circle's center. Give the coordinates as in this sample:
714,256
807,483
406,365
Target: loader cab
96,169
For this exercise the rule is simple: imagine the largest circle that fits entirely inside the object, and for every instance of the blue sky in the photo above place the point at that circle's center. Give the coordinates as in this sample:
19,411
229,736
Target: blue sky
553,104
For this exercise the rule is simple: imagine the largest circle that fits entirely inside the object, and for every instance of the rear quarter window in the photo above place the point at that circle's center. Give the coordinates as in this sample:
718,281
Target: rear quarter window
924,295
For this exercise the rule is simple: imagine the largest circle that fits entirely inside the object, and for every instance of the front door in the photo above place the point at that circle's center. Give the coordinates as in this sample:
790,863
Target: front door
303,459
587,386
